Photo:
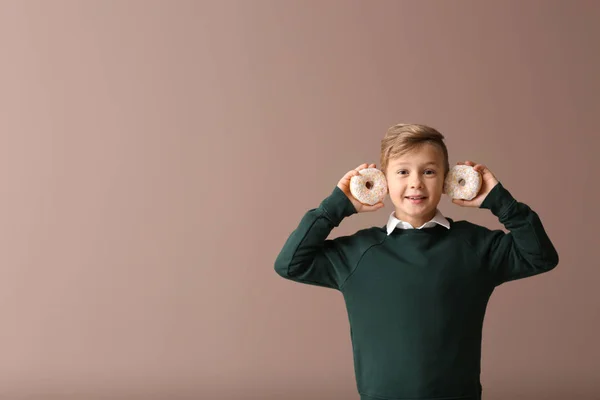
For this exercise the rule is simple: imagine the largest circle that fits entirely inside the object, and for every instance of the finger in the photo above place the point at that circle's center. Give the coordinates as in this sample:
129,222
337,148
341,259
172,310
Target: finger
371,165
464,203
361,166
351,173
374,207
346,178
480,167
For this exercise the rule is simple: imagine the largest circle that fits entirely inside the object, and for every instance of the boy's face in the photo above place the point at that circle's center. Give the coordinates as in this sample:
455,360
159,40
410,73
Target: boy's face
419,172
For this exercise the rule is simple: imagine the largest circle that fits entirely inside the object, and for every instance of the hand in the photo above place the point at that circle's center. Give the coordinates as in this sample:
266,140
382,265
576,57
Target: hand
344,185
489,181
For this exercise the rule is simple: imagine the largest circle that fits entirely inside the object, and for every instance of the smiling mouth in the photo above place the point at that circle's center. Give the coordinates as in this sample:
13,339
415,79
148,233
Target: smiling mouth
416,198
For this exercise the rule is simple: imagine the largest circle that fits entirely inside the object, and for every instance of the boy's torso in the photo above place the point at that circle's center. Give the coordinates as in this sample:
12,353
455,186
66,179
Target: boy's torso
416,302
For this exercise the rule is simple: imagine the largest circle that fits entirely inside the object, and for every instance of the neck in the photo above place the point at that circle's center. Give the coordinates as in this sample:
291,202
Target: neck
416,221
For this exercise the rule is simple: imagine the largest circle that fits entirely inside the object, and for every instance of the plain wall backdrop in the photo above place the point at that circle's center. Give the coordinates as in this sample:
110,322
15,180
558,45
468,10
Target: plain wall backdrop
155,155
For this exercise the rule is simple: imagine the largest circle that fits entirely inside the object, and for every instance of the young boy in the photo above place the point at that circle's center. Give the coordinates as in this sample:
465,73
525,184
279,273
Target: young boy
416,289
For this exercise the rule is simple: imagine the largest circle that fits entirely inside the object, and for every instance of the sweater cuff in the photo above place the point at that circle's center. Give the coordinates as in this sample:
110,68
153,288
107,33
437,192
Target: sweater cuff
498,200
337,206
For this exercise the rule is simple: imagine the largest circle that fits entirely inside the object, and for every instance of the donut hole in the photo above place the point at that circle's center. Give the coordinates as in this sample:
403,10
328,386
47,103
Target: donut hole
369,185
462,182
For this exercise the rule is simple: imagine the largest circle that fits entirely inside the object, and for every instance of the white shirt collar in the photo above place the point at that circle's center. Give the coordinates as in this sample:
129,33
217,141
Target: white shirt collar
394,222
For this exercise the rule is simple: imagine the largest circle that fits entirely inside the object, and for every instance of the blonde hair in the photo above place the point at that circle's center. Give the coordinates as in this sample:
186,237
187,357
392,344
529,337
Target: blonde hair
402,138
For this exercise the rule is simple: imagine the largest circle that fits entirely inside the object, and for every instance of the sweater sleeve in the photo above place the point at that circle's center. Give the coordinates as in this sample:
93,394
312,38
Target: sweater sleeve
308,256
523,252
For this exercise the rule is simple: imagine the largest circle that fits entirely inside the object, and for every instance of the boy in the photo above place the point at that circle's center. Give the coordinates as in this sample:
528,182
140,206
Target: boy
416,290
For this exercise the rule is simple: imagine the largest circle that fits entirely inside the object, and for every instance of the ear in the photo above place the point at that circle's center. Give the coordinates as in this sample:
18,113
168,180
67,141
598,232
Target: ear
444,184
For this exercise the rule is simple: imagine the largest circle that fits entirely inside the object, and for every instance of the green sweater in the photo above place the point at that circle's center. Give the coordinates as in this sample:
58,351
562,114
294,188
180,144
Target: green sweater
416,298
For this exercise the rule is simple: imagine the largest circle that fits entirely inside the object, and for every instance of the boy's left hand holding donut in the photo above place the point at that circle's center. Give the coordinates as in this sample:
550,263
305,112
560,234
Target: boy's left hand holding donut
487,184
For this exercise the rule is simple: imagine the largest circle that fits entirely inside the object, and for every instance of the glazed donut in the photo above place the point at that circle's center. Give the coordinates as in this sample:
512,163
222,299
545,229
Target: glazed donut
462,182
370,187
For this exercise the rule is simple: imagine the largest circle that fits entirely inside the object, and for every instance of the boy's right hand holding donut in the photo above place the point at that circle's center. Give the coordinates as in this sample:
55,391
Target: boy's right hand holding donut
344,185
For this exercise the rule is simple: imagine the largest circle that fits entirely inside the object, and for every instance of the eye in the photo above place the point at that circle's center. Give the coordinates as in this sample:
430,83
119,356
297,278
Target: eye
429,172
401,172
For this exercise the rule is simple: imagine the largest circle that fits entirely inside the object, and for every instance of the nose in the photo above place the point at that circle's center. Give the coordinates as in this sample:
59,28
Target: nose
415,182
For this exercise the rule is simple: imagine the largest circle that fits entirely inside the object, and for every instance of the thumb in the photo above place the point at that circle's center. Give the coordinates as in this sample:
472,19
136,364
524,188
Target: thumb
459,202
374,207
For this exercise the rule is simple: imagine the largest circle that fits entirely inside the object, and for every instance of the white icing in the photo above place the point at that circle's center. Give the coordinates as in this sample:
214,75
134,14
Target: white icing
365,194
472,182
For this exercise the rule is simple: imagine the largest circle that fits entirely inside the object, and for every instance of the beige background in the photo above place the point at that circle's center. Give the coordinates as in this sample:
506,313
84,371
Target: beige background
156,155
